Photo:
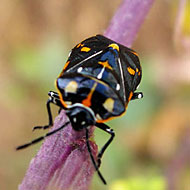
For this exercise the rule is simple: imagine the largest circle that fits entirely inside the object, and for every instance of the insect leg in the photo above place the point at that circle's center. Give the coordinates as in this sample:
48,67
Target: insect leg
53,98
107,129
49,116
92,158
41,138
137,95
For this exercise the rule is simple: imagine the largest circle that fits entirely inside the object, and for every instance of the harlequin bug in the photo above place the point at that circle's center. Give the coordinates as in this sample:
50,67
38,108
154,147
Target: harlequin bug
98,80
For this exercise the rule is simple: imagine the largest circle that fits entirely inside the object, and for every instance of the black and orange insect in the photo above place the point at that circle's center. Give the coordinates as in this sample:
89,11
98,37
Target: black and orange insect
98,80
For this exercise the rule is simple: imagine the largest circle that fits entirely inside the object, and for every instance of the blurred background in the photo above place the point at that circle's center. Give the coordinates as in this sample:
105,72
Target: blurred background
152,143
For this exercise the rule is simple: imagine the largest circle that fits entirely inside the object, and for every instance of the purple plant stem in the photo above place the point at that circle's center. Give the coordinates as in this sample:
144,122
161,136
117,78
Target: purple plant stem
59,164
127,21
63,162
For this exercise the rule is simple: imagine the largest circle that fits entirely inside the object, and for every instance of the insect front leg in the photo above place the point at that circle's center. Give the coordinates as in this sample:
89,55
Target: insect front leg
53,98
107,129
50,124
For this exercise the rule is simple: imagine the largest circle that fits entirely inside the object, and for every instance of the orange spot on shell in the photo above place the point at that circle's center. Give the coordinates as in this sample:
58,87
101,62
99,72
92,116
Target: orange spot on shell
105,64
130,96
85,49
114,46
79,45
87,102
135,53
131,71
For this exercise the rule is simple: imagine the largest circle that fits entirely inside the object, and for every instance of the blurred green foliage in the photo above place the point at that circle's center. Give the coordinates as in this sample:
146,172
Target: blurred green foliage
139,183
41,65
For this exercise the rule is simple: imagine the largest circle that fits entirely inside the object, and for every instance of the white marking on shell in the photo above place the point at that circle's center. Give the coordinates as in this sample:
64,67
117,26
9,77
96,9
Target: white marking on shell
109,104
118,87
71,87
122,79
93,55
83,106
79,69
69,54
99,76
98,117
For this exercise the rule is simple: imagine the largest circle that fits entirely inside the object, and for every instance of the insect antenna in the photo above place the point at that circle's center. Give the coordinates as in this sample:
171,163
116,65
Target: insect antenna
41,138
